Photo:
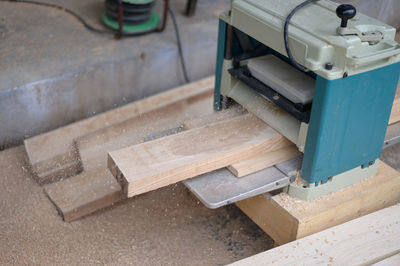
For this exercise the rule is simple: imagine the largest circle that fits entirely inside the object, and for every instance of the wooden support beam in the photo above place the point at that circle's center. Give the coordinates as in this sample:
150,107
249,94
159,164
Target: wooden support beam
151,165
363,241
286,219
51,155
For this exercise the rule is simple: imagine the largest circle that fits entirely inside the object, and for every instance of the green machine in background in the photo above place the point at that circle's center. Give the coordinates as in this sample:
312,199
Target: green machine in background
321,75
135,16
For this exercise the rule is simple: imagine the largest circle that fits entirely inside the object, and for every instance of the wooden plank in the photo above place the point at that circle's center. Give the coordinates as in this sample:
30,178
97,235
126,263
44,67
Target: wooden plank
395,115
391,261
279,224
362,241
51,155
151,165
256,163
308,217
214,117
93,147
85,193
264,160
96,188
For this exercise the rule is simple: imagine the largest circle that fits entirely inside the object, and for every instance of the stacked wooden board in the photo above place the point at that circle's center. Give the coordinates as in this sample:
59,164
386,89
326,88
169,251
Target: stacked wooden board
178,125
151,165
71,162
373,239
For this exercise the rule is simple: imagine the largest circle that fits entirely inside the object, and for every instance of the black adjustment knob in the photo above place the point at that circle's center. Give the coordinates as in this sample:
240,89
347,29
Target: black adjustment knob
345,12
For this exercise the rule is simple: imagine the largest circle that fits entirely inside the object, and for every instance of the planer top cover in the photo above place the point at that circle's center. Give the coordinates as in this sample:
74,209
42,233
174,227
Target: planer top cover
313,35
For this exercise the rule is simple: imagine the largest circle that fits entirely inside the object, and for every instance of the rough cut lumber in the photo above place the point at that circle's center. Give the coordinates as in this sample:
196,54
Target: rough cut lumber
363,241
286,219
264,160
391,261
95,187
85,193
256,163
52,156
151,165
93,147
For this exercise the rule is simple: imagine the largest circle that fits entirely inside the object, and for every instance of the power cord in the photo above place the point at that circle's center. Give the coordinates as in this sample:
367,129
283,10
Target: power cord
101,31
178,41
286,38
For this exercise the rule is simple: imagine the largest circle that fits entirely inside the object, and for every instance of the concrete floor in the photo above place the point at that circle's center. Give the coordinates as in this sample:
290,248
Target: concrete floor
167,226
54,71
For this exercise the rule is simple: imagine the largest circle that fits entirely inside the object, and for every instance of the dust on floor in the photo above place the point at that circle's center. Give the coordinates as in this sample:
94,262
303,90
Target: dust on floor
166,226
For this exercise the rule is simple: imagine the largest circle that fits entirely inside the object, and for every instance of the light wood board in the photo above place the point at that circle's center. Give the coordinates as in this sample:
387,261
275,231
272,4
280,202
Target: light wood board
391,261
264,160
51,155
93,147
285,218
85,193
95,187
256,163
363,241
151,165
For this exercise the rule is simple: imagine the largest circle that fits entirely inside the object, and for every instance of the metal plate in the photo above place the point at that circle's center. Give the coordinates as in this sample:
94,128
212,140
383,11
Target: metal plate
221,187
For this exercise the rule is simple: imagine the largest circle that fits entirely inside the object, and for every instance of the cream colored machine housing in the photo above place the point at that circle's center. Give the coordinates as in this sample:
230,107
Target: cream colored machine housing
315,39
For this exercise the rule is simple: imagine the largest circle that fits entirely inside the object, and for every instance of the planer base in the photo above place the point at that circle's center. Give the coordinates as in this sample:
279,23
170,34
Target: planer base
285,218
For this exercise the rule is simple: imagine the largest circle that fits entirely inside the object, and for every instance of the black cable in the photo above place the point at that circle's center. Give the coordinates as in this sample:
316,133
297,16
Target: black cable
101,31
69,11
178,41
286,38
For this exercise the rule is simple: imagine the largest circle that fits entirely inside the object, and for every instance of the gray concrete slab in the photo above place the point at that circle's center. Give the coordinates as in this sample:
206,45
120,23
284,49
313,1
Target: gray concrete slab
53,71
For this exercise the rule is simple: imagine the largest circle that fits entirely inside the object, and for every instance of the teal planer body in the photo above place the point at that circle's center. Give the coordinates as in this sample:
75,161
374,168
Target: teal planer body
352,71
